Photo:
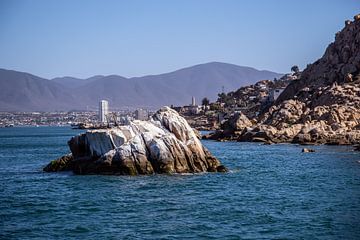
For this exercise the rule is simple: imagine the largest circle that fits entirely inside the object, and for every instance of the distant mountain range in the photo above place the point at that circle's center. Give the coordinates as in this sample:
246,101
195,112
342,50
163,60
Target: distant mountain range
21,91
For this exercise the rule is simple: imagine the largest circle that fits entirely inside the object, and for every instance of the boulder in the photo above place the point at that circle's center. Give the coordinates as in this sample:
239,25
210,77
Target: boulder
164,144
257,134
237,123
64,163
307,150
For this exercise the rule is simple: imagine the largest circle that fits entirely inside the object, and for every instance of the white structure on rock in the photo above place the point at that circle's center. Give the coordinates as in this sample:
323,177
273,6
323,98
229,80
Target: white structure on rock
103,110
141,114
193,103
275,93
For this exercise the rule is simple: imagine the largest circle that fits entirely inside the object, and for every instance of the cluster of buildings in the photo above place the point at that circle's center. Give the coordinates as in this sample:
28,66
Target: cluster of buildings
114,118
250,100
88,119
253,99
191,109
10,119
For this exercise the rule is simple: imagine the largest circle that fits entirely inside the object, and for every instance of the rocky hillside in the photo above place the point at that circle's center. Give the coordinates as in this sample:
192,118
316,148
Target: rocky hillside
339,65
323,106
255,98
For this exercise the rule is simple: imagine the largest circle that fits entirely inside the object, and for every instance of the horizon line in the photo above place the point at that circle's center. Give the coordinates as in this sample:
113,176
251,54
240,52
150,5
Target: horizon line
146,75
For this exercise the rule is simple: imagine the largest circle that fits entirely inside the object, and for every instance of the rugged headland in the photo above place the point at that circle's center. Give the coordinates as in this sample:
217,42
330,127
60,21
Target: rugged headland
321,107
164,144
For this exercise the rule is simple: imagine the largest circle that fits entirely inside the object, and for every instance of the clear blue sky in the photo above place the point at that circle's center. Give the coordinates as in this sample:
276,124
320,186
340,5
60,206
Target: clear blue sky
133,38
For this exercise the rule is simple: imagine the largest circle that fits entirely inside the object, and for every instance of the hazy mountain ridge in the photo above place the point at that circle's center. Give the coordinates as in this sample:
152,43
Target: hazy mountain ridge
27,92
21,91
72,82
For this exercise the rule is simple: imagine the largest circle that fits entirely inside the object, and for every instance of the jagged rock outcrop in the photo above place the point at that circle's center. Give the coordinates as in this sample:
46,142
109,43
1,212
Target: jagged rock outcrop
63,163
164,144
237,123
231,128
340,64
323,106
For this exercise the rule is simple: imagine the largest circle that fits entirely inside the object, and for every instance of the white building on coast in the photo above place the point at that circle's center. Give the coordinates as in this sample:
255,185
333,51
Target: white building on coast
103,110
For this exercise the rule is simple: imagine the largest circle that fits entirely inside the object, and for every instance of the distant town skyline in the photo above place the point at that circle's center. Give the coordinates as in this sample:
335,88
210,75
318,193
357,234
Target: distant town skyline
136,38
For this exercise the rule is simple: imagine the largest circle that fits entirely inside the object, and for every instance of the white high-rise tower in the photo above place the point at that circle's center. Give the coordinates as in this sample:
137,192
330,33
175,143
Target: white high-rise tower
193,103
103,110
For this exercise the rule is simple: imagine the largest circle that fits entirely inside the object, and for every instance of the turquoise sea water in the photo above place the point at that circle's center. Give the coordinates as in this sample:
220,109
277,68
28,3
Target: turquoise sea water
271,192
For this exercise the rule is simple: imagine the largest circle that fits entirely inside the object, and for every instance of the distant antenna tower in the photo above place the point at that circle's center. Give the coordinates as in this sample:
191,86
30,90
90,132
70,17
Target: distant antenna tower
223,89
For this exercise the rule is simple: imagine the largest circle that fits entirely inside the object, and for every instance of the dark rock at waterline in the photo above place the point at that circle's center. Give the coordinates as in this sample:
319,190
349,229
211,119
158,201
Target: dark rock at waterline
64,163
307,150
221,168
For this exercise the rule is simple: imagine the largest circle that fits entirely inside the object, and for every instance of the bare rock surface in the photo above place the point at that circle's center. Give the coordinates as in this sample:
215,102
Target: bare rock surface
164,144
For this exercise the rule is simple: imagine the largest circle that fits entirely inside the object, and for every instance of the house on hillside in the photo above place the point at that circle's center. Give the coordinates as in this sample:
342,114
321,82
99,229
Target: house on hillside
275,93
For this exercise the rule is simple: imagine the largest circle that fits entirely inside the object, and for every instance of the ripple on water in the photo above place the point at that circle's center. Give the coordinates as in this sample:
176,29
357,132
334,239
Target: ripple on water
271,191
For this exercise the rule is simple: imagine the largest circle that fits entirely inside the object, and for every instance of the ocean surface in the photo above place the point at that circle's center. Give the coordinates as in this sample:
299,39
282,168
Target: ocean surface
271,192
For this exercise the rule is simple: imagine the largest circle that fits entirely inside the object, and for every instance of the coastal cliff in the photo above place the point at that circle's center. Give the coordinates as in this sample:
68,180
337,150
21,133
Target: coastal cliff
321,107
164,144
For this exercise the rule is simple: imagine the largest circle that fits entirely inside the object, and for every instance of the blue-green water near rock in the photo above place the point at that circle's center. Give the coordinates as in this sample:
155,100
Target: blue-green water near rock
272,192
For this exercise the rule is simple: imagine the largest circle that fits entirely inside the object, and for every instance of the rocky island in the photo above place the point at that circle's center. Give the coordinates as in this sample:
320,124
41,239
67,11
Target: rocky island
321,107
164,144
